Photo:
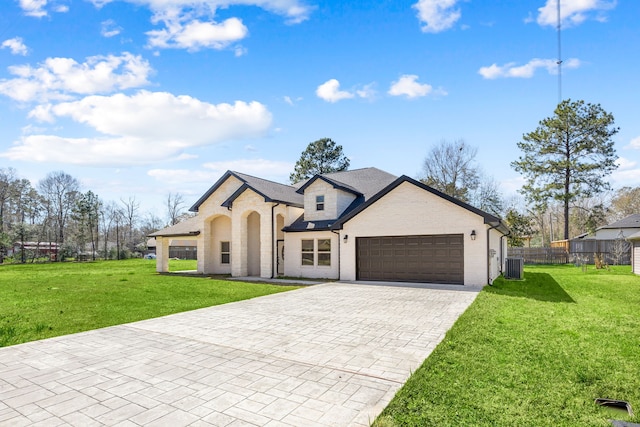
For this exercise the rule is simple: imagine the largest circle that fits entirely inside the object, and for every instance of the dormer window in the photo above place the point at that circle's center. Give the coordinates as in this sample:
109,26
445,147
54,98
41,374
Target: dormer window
319,203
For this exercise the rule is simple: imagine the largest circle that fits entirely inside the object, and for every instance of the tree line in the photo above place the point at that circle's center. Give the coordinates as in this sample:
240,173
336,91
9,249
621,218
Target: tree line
80,224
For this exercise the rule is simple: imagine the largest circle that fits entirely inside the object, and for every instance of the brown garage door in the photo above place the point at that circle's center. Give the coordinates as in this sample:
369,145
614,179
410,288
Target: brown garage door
427,259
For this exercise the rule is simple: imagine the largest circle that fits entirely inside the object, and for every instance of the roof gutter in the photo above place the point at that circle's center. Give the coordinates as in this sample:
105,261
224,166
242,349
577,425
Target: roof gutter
338,233
188,234
488,252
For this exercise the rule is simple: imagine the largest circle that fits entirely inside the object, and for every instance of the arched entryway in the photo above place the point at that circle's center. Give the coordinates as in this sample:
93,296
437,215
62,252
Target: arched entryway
219,255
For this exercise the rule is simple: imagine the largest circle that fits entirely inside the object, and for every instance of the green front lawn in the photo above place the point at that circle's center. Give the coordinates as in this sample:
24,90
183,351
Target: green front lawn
46,300
535,352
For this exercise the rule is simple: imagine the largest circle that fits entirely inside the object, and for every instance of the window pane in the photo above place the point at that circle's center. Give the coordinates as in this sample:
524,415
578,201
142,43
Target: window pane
324,245
224,247
225,258
307,258
319,199
307,246
324,258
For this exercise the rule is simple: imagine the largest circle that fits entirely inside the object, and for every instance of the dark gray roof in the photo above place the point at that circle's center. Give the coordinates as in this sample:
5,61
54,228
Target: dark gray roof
332,182
488,218
188,227
363,183
274,191
632,221
301,225
271,191
367,184
367,181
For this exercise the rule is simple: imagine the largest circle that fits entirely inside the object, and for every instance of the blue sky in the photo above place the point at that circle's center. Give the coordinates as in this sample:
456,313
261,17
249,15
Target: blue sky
145,97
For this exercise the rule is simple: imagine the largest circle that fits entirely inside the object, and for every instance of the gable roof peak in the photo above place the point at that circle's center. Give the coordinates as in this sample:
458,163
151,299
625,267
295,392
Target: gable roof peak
272,191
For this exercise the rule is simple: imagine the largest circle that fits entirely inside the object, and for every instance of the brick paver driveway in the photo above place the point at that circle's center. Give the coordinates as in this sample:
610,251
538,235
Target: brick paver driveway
327,355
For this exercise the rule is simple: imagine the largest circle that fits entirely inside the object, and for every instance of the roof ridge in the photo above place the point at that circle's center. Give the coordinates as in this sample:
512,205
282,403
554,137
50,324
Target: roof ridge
262,179
353,170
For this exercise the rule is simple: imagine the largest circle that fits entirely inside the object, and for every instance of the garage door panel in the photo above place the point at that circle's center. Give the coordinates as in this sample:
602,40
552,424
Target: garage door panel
430,258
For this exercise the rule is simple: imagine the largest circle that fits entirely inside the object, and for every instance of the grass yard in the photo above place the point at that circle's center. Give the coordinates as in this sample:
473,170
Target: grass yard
535,352
46,300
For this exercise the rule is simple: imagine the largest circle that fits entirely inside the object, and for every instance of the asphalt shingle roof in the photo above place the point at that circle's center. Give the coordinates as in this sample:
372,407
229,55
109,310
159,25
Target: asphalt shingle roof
632,221
368,181
273,190
187,227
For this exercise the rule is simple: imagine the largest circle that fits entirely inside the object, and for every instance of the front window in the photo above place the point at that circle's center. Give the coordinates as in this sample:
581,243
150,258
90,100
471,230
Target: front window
324,252
319,203
307,252
225,252
316,252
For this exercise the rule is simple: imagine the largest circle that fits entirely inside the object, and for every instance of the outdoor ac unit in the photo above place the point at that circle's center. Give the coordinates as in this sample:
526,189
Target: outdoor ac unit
515,268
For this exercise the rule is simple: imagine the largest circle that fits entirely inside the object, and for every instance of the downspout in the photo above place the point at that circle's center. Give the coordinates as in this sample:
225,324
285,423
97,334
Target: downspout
338,233
274,243
502,255
488,253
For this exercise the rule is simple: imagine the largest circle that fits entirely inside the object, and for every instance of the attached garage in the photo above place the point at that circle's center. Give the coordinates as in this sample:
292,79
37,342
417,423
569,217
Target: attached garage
426,258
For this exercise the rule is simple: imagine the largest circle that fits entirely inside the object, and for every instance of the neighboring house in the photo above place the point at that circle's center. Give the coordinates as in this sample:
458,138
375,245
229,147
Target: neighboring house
619,229
363,224
635,252
41,249
178,248
609,240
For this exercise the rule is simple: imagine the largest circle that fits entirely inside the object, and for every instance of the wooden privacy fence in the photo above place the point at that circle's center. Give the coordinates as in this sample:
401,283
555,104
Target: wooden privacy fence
614,252
540,255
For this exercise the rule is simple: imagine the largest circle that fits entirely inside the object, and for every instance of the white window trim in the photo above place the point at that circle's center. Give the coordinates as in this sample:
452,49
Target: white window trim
316,252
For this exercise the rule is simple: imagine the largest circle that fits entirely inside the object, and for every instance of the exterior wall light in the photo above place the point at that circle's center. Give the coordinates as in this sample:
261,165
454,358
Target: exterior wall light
345,238
473,234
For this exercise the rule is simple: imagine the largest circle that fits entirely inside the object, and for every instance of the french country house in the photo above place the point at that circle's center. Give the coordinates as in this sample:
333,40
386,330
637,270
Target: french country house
362,224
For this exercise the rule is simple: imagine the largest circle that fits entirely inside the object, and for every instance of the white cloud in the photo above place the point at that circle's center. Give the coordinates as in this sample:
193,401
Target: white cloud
109,28
628,172
527,70
634,143
37,8
16,45
407,85
101,151
196,35
34,8
210,172
61,8
294,10
573,12
61,78
191,24
367,92
625,164
139,129
437,15
330,91
181,121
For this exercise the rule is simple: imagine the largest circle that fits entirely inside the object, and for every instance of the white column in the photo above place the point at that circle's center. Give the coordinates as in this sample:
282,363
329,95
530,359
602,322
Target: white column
162,254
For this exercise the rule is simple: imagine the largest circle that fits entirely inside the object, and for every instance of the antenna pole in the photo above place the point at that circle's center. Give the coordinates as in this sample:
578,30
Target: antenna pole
559,62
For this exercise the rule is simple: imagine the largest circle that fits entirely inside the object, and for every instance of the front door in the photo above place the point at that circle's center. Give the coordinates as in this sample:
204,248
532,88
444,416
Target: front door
280,247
